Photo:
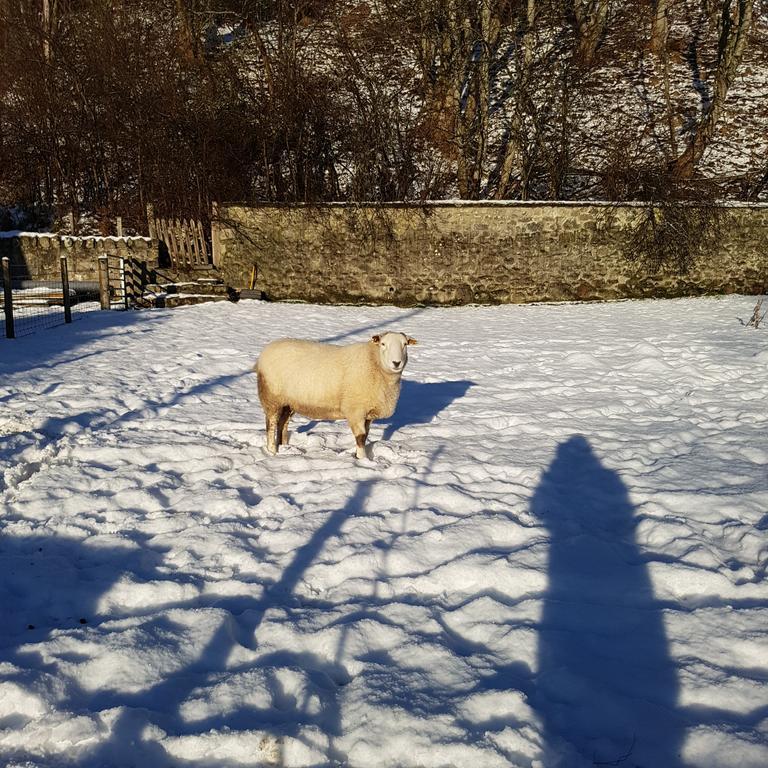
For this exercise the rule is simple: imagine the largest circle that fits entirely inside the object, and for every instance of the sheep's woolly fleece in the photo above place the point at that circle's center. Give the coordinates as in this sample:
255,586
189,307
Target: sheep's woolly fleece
555,557
358,382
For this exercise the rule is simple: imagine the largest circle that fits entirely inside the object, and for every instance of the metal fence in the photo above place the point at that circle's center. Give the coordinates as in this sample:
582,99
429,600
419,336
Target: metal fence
28,305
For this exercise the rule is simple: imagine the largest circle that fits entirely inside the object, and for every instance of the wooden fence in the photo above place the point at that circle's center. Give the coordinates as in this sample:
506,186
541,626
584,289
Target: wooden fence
185,240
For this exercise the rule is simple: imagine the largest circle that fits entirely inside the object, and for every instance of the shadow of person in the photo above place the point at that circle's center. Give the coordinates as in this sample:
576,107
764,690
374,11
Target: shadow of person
607,687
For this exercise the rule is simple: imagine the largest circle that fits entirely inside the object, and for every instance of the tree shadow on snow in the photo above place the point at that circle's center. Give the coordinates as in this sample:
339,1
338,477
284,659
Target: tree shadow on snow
372,327
51,582
56,427
606,688
607,685
163,703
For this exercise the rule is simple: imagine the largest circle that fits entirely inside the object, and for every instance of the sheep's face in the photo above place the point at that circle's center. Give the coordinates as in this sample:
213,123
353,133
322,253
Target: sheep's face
393,350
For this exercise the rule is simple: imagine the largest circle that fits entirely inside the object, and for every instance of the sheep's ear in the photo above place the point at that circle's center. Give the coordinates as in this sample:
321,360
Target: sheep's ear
376,339
410,340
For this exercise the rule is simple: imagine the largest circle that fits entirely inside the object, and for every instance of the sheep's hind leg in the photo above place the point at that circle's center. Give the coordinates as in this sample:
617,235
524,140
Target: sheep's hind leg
282,425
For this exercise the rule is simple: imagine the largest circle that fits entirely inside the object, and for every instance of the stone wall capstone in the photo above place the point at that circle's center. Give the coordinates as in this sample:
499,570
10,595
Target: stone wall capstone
37,256
445,253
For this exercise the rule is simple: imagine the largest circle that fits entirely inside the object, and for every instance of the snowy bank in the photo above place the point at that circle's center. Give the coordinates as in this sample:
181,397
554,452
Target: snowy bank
556,556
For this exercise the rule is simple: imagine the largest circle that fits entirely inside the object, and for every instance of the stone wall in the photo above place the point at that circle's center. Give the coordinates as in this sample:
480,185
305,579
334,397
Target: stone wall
37,256
457,253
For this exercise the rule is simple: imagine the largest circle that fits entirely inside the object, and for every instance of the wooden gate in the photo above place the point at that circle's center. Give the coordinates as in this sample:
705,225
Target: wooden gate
185,240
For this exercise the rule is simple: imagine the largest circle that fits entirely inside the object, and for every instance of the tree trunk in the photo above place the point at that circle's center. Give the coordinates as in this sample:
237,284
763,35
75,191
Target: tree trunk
512,150
734,24
660,27
187,37
591,17
459,42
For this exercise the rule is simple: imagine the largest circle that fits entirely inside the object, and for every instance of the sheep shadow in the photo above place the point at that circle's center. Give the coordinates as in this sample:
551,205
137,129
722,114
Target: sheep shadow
419,403
607,684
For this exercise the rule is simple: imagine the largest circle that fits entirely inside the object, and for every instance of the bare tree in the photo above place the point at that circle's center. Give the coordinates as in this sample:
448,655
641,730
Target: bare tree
734,23
591,21
458,49
517,149
660,28
106,105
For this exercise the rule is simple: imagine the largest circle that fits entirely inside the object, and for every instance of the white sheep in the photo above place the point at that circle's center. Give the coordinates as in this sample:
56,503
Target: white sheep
357,382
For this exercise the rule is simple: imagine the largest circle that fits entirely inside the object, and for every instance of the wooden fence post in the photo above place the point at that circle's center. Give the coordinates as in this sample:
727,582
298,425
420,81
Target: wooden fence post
119,226
8,294
151,221
215,235
65,290
104,282
128,281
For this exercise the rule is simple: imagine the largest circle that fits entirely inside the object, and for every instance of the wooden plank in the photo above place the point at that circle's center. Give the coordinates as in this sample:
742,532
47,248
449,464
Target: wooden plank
215,235
203,245
151,223
173,231
170,241
194,240
161,235
184,237
176,234
194,249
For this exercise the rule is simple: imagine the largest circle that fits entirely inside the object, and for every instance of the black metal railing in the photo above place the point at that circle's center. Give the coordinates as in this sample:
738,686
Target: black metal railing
29,305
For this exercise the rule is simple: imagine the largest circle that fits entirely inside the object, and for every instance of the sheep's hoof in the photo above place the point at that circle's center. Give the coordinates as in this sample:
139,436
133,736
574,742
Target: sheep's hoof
269,450
362,453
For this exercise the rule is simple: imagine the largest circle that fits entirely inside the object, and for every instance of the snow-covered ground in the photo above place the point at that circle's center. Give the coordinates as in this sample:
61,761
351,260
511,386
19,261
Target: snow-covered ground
556,556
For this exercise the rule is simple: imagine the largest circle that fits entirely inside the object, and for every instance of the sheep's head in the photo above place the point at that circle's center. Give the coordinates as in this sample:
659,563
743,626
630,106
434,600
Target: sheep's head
393,350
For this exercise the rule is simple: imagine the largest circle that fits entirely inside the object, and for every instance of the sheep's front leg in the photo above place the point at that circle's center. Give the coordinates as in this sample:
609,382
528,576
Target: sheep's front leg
272,417
359,427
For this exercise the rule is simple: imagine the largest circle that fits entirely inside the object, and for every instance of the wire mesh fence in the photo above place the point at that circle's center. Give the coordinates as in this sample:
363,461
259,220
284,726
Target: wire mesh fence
30,305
